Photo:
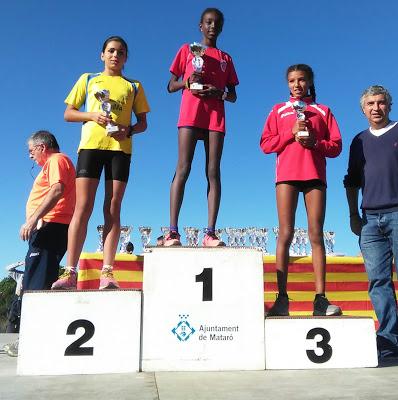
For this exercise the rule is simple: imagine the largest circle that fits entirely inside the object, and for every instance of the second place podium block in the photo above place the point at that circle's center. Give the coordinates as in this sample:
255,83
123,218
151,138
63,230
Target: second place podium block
203,309
80,332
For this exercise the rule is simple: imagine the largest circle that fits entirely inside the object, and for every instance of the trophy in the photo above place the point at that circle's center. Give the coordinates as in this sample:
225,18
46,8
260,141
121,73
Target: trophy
125,232
300,106
145,232
100,229
103,97
198,50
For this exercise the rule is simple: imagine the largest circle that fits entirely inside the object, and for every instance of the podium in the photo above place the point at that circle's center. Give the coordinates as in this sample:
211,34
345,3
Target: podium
203,309
320,342
79,332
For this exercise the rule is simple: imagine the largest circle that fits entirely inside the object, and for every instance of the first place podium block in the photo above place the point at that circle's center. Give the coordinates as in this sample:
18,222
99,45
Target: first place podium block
203,309
320,342
80,332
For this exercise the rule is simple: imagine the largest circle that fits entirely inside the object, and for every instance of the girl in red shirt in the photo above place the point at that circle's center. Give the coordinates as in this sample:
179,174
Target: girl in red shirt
202,117
301,147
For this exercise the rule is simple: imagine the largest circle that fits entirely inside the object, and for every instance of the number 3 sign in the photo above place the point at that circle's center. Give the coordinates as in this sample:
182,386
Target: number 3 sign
80,332
319,342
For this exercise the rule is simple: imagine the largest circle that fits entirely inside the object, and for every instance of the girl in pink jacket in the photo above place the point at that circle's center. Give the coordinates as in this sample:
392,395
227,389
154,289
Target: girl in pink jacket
302,133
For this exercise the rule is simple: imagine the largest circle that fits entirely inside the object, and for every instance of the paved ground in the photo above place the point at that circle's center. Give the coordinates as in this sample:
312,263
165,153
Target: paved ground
367,383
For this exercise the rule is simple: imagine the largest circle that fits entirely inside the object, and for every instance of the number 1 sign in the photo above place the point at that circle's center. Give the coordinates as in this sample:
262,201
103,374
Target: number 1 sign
80,332
203,309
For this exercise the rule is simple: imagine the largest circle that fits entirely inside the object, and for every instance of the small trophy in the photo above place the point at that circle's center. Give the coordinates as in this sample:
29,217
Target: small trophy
125,232
145,232
300,106
100,229
103,97
198,50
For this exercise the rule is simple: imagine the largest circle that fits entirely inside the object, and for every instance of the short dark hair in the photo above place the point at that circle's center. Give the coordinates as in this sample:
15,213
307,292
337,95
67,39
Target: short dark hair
215,11
375,90
308,72
115,39
46,138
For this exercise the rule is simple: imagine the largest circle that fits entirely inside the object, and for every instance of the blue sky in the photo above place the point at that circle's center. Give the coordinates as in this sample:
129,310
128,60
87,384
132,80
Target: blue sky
48,44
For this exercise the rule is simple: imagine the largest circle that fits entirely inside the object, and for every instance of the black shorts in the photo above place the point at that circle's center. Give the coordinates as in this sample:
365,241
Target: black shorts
115,163
304,185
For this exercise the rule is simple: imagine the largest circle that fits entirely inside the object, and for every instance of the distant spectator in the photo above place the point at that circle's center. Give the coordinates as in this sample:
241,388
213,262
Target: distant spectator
130,248
14,311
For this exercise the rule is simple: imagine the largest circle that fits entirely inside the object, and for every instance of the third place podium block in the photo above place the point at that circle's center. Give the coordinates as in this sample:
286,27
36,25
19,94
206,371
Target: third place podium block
203,309
320,342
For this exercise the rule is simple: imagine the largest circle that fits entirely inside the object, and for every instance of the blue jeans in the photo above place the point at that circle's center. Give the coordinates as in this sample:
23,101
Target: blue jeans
379,245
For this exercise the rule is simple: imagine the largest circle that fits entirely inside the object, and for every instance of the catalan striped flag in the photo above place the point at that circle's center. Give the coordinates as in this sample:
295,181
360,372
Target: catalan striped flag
127,270
346,281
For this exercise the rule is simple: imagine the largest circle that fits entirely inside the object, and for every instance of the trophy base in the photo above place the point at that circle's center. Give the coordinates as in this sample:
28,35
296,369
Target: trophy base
111,129
196,86
303,134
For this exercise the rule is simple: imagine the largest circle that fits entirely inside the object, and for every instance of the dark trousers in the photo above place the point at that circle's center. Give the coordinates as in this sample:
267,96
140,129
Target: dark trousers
14,315
47,246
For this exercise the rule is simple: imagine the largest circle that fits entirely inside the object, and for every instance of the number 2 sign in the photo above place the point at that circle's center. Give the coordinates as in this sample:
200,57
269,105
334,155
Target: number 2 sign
76,332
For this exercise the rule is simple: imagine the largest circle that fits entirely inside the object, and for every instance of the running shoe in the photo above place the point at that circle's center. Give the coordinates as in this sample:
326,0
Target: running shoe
12,350
107,281
68,280
281,306
212,240
322,307
173,238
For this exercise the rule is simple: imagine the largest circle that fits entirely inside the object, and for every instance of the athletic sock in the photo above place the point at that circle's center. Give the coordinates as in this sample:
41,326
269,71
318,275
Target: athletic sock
108,268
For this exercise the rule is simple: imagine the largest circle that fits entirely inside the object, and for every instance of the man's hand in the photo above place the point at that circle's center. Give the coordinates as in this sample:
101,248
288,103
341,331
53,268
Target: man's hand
49,202
27,229
356,224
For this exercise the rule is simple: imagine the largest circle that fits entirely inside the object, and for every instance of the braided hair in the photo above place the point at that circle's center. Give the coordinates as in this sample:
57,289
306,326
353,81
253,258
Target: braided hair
308,72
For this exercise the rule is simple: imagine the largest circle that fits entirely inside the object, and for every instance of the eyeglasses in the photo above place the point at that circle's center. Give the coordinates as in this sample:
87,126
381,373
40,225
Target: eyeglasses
33,148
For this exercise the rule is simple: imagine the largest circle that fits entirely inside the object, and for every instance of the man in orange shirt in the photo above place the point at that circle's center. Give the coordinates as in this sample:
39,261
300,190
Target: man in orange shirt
49,210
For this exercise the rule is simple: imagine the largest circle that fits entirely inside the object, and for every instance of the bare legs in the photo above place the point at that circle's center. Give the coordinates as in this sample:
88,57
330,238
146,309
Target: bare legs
86,189
286,201
114,192
213,143
315,202
186,147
